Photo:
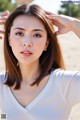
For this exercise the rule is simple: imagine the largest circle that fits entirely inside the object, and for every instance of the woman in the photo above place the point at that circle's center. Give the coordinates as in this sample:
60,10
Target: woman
35,85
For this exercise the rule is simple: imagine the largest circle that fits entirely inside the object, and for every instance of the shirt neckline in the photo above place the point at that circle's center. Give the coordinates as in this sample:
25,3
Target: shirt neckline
35,100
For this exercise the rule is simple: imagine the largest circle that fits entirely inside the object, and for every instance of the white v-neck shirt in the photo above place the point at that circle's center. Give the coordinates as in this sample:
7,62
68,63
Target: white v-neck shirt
54,102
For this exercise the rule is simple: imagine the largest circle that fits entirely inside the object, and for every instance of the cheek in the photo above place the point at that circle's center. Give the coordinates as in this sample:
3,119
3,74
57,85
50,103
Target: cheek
13,41
15,48
14,45
39,47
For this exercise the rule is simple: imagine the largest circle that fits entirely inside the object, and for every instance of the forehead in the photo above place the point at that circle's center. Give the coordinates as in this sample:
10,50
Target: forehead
28,22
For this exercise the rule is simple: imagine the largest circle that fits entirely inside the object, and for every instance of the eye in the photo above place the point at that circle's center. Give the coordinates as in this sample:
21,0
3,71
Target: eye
37,35
19,34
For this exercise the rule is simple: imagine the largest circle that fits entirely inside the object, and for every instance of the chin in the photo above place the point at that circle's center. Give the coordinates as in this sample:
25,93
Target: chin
28,62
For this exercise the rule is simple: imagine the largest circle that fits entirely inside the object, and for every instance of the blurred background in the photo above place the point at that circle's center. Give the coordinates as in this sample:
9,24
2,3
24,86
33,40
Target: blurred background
69,42
67,7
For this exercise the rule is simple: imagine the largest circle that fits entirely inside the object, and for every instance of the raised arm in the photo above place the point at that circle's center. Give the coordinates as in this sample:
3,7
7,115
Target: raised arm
64,23
3,17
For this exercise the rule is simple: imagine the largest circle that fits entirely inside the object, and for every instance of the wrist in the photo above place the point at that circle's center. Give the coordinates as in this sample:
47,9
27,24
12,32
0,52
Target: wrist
75,27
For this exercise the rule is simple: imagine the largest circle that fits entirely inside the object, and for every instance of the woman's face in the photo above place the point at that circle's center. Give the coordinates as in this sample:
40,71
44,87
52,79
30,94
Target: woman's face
28,38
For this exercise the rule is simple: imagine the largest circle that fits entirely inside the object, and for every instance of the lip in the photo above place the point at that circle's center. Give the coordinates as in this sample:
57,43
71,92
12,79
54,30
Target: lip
26,52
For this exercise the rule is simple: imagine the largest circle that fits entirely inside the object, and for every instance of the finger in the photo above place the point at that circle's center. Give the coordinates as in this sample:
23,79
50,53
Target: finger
62,31
6,13
2,22
58,33
0,38
1,32
51,16
3,17
54,17
49,13
56,23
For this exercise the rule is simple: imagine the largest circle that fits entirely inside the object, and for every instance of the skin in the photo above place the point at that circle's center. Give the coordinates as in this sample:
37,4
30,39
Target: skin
31,32
30,65
64,23
3,17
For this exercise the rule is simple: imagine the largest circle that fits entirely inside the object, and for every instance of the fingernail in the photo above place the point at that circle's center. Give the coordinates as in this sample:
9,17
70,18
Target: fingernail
48,16
6,13
0,37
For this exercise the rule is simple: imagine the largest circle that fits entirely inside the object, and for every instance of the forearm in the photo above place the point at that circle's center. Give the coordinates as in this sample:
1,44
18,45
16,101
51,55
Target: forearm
76,27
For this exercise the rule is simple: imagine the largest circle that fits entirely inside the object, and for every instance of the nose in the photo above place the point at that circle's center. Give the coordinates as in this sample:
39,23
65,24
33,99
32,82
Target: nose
27,42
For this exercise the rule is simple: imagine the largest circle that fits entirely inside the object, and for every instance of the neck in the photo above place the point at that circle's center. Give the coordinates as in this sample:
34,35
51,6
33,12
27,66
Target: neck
29,72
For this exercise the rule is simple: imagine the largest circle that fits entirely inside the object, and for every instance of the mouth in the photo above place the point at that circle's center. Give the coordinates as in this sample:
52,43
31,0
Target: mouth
26,53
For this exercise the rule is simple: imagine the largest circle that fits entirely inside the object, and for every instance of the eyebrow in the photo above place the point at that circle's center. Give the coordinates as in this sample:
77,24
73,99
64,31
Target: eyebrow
32,30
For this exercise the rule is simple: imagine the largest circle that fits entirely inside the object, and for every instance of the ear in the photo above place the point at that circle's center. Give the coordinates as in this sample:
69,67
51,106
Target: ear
9,41
46,45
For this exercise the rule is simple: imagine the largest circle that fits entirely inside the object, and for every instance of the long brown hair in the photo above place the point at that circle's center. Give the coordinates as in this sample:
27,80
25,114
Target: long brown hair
49,60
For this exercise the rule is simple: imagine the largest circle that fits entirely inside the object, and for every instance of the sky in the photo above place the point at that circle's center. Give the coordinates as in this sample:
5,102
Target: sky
50,5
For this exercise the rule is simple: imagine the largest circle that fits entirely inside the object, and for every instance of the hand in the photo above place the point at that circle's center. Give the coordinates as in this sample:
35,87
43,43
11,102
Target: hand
3,17
64,23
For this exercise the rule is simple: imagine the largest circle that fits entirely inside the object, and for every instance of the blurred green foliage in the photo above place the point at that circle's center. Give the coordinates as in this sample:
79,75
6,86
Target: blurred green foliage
7,5
70,9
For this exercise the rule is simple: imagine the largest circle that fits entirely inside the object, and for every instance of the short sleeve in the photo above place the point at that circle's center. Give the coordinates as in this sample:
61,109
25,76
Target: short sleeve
69,84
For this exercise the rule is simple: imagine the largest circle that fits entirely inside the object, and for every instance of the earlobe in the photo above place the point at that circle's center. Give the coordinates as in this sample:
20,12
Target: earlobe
47,43
9,42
